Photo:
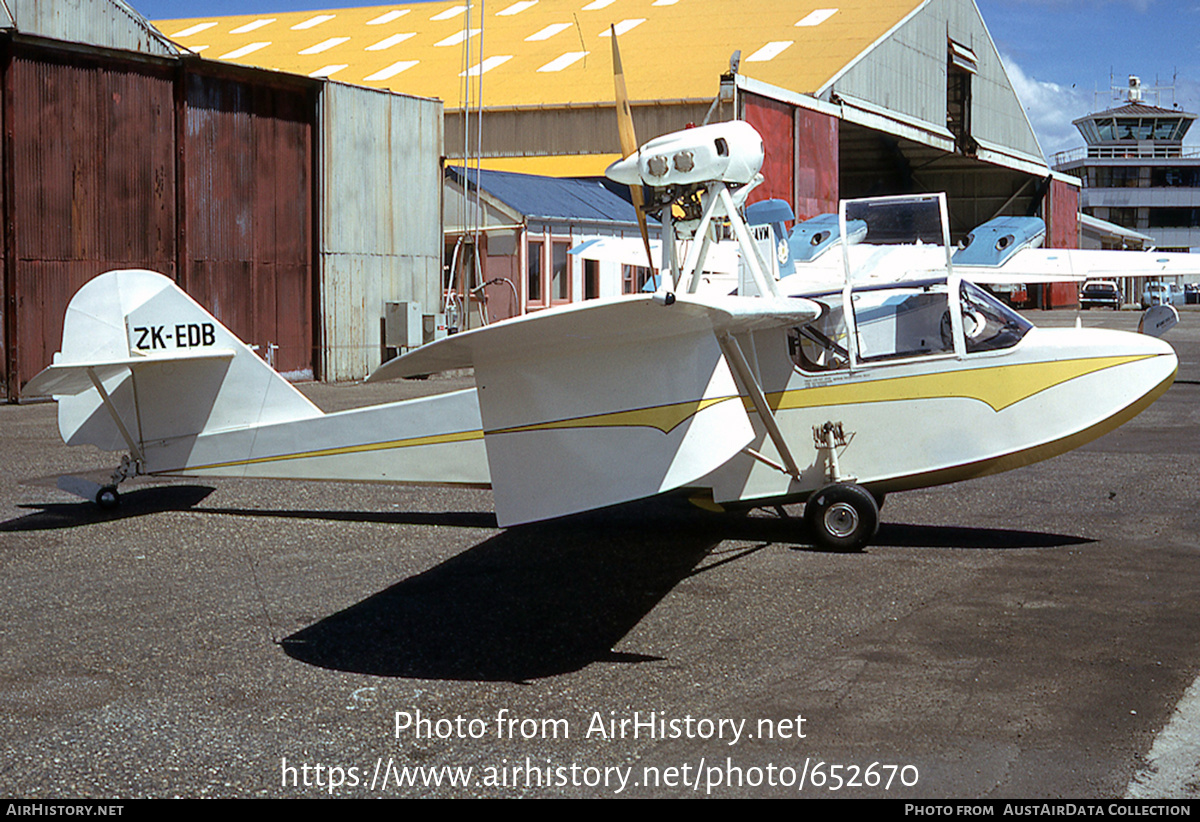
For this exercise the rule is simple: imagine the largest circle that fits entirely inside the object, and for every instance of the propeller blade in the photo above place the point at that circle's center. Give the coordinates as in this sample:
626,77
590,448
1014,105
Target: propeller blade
629,143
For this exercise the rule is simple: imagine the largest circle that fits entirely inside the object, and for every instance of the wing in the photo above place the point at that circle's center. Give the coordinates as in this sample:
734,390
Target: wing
606,401
1045,265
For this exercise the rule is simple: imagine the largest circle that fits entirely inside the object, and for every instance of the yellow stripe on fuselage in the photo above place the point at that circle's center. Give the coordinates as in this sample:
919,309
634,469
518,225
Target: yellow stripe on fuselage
435,439
998,386
663,417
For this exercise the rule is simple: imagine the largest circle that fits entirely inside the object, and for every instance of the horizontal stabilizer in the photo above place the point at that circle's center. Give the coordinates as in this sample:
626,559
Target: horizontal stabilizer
72,378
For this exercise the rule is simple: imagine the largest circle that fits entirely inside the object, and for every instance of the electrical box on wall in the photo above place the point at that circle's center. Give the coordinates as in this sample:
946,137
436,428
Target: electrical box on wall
402,324
435,327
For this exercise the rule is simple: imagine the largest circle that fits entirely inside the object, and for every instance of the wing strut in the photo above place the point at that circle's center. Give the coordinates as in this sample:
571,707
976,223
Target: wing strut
733,353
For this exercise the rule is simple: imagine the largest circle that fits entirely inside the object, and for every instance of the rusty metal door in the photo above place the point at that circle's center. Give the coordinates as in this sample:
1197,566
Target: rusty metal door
248,213
89,157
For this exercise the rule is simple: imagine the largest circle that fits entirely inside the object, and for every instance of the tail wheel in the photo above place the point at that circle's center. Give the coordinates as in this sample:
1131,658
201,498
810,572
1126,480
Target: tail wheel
108,498
842,516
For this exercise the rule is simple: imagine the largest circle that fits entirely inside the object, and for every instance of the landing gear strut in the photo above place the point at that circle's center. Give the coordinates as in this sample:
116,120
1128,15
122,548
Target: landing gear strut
842,516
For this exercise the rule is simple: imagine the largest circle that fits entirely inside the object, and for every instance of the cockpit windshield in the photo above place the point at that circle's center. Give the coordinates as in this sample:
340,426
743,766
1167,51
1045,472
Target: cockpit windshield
900,302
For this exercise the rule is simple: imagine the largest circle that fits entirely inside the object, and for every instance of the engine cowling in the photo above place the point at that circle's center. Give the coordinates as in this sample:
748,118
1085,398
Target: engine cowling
730,153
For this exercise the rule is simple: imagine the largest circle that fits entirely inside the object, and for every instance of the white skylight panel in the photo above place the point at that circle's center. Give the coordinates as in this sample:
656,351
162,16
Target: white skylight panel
388,17
196,49
486,66
313,21
256,24
548,32
325,71
250,48
816,18
770,51
598,4
664,2
196,29
624,26
325,45
449,13
562,61
388,42
457,38
517,8
391,71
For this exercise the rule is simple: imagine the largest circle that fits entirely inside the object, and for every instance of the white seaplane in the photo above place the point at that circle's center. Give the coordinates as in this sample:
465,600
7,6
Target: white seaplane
886,383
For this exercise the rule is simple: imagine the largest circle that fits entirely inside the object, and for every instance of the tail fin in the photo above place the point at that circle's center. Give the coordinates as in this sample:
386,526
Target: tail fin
144,367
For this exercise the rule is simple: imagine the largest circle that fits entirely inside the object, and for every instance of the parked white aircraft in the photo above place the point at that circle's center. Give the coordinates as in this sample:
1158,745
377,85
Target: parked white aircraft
833,399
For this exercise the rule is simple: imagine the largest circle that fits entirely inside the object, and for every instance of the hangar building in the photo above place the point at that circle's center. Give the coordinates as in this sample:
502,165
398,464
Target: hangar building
257,191
853,97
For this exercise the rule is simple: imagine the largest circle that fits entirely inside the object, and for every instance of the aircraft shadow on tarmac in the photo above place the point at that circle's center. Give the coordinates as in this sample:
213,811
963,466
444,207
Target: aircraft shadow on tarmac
137,503
550,598
529,602
532,601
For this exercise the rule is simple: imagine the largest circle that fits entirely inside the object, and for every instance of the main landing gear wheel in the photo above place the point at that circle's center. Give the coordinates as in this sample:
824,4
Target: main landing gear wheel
842,516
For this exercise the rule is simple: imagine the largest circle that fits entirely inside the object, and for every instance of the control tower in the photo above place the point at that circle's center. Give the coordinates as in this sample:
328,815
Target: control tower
1141,185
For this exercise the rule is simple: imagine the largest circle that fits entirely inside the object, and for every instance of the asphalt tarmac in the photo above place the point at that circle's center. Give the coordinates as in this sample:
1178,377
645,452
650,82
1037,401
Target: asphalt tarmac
1026,635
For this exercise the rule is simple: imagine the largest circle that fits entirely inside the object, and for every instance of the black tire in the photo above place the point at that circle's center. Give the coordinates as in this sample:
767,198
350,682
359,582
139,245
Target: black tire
842,516
108,498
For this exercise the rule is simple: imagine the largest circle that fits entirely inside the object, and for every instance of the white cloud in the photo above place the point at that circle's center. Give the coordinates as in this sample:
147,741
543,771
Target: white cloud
1050,107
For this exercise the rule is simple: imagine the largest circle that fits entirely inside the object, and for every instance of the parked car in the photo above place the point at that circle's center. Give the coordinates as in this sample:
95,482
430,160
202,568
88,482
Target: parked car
1191,293
1100,293
1157,293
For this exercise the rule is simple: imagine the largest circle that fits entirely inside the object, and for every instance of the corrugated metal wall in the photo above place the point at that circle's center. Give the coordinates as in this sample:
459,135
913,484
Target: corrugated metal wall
539,132
95,22
207,173
1063,210
817,164
774,121
92,184
906,73
247,194
381,231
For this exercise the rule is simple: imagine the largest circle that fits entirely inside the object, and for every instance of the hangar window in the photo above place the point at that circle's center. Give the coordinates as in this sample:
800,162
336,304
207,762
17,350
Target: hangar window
960,67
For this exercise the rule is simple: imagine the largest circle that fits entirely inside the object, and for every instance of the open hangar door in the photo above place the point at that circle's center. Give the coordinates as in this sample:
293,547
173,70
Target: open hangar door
874,164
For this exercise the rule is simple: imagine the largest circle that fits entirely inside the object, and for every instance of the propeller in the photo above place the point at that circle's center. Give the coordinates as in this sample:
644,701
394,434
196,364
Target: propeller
629,144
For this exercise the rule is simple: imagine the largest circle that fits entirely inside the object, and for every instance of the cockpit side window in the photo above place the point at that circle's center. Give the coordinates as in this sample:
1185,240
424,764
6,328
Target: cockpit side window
821,345
898,323
902,322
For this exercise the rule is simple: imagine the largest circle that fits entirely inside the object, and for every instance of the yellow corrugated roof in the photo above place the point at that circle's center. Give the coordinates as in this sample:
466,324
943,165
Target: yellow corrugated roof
567,165
553,51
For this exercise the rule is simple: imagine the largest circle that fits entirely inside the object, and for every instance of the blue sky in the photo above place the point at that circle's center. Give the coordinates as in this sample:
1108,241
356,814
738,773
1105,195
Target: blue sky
1058,53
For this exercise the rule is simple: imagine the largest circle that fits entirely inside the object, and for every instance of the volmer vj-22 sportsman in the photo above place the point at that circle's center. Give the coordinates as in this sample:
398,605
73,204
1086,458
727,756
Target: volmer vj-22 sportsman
901,376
